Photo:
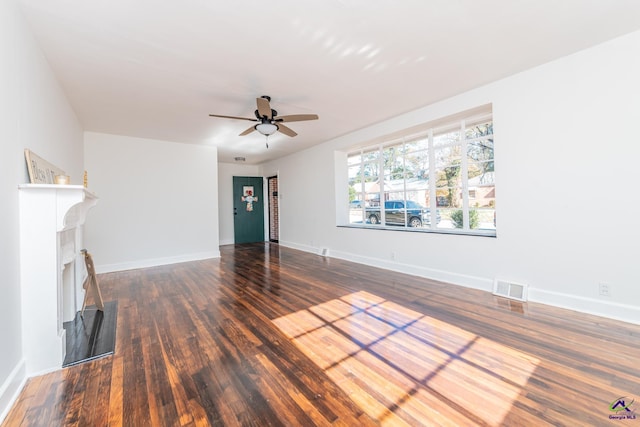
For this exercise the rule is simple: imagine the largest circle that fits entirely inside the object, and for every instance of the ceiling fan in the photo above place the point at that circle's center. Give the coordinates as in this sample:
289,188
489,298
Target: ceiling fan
268,120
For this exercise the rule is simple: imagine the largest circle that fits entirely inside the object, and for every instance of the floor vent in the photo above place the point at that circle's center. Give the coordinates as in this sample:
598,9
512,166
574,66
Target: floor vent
511,290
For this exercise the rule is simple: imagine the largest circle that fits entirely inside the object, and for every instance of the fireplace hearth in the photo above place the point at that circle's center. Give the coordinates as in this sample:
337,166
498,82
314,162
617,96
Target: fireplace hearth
91,335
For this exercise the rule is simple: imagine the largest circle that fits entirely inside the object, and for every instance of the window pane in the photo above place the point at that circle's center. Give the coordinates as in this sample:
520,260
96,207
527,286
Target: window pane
371,155
481,174
372,192
354,159
446,138
356,190
447,156
481,129
480,150
486,219
417,189
371,171
445,222
393,163
356,213
416,165
418,144
449,197
354,173
448,176
483,196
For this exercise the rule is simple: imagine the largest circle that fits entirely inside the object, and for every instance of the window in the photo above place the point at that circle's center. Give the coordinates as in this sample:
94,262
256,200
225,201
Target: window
441,179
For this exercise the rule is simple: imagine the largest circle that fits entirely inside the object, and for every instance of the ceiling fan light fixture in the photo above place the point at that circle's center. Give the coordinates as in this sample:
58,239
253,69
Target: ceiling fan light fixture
266,128
268,120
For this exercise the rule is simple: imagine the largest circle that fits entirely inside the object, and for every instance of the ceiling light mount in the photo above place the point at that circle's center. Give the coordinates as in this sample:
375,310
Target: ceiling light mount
266,127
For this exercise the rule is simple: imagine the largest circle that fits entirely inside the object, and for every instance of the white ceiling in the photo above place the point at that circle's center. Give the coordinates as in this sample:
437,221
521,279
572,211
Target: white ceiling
157,68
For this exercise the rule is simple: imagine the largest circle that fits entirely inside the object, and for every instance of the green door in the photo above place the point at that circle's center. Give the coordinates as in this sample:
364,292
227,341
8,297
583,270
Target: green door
248,209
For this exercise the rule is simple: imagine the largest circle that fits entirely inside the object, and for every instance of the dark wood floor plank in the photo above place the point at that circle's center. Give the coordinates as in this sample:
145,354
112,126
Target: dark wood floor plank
267,335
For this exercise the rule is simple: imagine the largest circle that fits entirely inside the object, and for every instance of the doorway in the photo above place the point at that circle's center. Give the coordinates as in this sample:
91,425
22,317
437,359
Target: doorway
274,224
248,209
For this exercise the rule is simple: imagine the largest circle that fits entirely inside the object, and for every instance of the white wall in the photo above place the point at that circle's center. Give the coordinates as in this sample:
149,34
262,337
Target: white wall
158,202
566,154
226,172
34,114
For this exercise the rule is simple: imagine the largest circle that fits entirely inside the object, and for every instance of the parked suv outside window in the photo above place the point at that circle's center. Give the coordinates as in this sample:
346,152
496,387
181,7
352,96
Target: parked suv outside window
394,211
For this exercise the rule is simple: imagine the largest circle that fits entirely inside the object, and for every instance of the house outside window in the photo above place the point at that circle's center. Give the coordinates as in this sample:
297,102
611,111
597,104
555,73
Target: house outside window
441,179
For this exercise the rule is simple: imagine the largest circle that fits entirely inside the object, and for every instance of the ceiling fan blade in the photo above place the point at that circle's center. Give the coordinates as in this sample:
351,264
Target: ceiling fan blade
296,118
232,117
287,131
264,109
248,131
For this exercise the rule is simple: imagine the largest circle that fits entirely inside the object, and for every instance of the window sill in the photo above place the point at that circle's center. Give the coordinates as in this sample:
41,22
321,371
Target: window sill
476,233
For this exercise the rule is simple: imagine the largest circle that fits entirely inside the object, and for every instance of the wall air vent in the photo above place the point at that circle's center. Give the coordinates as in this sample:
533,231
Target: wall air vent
516,291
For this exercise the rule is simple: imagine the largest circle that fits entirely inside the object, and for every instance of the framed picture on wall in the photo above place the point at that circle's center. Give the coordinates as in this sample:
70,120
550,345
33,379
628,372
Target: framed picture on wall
40,171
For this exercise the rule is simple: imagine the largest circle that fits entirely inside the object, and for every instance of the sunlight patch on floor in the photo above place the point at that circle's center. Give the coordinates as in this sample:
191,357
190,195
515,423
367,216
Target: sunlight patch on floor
403,367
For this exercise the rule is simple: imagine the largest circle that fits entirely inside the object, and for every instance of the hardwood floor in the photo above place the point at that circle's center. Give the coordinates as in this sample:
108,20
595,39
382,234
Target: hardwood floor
267,335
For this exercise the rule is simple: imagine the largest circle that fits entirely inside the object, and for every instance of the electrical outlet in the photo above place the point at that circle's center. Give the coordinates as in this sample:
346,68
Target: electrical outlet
604,290
393,256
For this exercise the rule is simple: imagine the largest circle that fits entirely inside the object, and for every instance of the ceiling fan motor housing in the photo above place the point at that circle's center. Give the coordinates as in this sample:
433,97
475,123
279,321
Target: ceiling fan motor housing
259,117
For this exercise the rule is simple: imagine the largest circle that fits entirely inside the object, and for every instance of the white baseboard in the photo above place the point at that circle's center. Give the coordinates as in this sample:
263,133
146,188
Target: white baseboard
227,242
598,307
414,270
154,262
616,311
297,246
11,388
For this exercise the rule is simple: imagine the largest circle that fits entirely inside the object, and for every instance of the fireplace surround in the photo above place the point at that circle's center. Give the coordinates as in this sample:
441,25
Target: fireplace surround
52,268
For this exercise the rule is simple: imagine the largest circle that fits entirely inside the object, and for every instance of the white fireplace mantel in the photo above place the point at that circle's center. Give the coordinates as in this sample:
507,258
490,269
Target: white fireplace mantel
51,268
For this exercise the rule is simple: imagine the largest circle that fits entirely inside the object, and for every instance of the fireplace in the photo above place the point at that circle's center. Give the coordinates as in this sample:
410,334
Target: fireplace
51,268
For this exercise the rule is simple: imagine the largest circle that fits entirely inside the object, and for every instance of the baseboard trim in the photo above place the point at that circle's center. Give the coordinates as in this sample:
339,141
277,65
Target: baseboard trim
427,273
11,388
597,307
154,262
610,310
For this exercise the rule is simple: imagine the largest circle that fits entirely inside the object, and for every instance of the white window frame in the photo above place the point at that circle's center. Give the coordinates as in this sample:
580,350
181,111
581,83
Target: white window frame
474,117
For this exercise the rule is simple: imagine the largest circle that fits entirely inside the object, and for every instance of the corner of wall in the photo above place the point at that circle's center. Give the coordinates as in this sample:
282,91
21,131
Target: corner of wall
11,388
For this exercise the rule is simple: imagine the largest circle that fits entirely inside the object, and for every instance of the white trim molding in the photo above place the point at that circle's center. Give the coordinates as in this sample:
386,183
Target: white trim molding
154,262
610,310
10,390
